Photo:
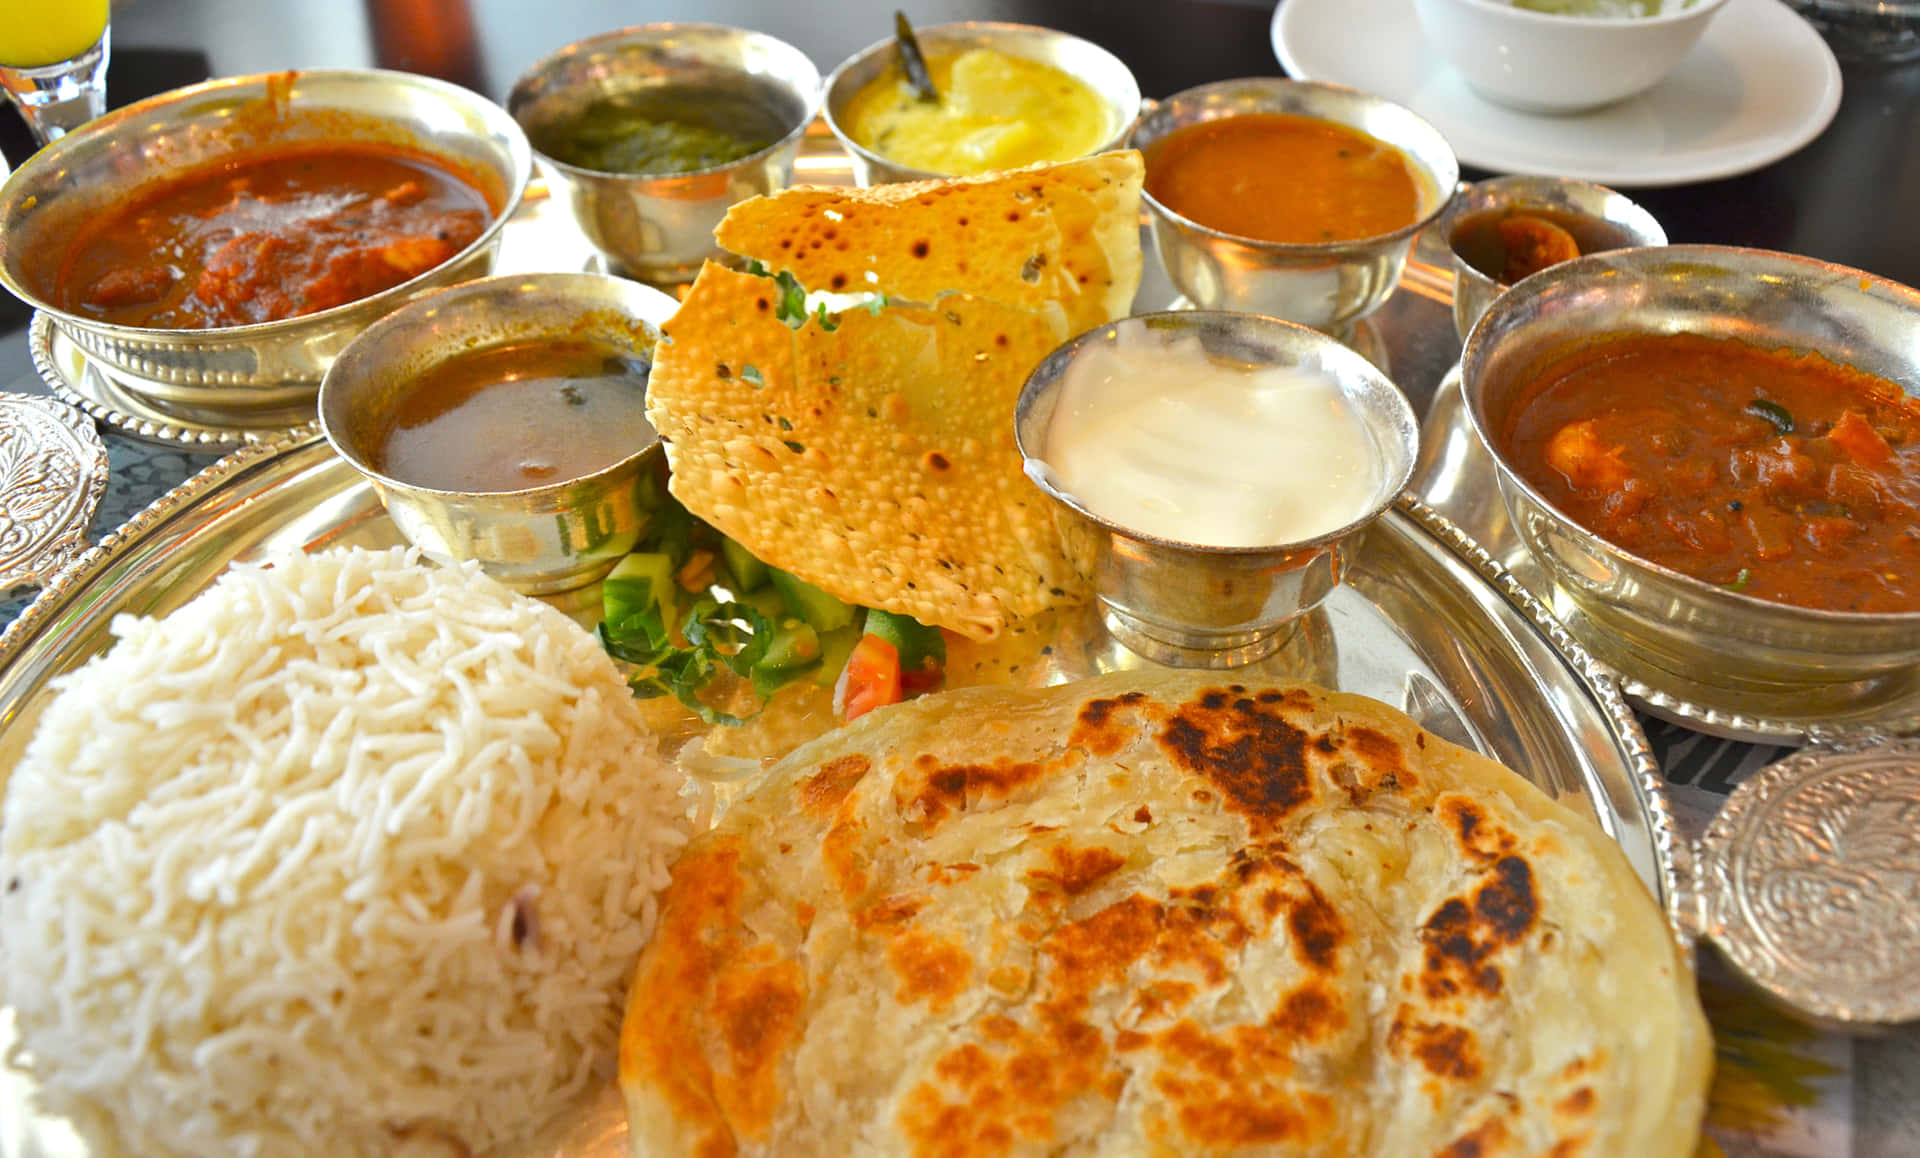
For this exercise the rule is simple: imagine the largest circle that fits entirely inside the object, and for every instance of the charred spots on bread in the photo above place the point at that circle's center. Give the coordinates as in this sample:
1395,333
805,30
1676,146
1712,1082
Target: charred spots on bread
1462,934
1479,836
1073,871
1097,731
1245,749
1310,1013
1318,932
821,793
933,791
1445,1050
1483,1141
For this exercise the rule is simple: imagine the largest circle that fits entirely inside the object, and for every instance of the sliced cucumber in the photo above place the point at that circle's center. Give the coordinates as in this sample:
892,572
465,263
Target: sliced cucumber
810,603
920,647
748,572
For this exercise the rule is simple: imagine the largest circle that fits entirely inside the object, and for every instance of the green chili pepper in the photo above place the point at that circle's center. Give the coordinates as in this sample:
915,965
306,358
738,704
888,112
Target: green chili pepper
1740,580
1773,412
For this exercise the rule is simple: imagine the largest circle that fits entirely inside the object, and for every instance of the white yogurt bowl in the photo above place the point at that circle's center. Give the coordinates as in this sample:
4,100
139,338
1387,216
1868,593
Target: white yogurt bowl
1552,63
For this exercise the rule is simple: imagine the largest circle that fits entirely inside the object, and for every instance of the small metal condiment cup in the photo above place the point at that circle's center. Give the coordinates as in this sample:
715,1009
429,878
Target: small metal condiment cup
1327,285
1613,216
1191,605
541,540
1106,74
660,228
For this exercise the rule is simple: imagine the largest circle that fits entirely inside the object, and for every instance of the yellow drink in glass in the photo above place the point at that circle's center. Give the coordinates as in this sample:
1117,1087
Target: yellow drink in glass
36,33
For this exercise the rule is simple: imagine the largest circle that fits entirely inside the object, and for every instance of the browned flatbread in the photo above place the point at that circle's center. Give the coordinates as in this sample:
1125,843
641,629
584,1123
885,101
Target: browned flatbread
1158,913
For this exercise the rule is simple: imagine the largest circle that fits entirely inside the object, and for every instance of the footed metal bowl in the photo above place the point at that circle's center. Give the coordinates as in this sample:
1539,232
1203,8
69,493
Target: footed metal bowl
266,371
1191,604
1109,78
1329,286
542,539
660,228
1598,205
1665,629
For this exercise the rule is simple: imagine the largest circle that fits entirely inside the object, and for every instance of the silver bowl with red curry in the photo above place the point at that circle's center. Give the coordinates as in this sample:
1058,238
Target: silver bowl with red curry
1715,453
214,248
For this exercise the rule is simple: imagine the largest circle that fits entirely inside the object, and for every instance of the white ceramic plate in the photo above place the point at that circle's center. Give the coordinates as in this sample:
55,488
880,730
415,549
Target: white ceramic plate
1759,85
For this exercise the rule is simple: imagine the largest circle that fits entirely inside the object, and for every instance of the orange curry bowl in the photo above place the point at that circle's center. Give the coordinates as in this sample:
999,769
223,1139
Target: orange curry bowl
214,248
1715,454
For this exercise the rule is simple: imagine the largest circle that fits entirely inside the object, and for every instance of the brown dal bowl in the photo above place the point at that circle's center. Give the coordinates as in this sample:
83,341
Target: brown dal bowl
1329,286
1669,630
267,371
542,539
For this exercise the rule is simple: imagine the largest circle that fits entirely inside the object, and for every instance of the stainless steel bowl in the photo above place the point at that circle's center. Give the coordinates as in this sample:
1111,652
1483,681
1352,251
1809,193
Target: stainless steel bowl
660,229
1329,286
1608,211
1085,61
541,540
1653,623
269,370
1192,605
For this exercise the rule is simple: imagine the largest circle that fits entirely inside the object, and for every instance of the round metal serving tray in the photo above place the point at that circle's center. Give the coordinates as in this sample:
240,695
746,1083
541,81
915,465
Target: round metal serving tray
1425,621
1455,475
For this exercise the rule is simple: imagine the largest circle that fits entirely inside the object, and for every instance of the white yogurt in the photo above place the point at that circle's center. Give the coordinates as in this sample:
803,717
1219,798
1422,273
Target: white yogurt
1159,438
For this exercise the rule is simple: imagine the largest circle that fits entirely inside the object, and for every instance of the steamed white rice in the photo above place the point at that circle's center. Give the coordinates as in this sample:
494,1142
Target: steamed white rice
348,849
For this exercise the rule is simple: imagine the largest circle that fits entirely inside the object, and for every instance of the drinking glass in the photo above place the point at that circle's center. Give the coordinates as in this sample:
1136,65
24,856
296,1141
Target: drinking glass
53,62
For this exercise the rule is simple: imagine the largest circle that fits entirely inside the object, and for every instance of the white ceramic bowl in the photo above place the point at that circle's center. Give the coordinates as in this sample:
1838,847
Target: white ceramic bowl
1548,63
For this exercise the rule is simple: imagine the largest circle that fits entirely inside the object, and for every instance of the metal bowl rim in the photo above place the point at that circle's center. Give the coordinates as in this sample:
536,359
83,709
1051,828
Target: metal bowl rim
1536,284
1445,189
811,102
520,164
1118,140
1405,421
554,279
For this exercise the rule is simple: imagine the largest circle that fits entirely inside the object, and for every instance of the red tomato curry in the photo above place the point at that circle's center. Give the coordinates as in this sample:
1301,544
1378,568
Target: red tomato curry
1285,178
1778,474
270,236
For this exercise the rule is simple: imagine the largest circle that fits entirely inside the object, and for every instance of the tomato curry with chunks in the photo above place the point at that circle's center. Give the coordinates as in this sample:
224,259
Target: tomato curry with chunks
1779,474
271,235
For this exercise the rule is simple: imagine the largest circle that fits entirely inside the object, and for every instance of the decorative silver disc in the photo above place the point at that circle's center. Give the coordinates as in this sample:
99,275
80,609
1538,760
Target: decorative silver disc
1810,879
53,470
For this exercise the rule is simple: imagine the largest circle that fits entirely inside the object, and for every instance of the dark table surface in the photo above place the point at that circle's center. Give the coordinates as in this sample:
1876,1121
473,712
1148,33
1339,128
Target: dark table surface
1852,196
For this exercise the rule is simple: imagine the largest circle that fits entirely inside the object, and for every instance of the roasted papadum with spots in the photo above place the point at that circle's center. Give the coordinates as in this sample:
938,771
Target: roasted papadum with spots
1162,914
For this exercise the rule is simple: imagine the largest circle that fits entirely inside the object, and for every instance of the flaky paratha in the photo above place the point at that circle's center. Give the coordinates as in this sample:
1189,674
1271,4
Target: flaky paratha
1158,914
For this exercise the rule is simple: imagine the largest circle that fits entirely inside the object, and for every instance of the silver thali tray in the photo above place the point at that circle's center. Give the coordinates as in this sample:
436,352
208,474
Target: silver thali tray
1425,621
1455,475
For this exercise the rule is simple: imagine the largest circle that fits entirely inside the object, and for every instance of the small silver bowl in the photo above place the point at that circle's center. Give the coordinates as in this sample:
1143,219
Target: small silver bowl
1191,605
1601,219
1085,61
1329,286
541,540
660,228
267,372
1668,630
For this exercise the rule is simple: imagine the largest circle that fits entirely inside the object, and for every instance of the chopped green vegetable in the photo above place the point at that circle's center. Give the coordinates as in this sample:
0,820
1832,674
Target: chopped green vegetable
920,646
810,603
748,572
1773,412
1740,580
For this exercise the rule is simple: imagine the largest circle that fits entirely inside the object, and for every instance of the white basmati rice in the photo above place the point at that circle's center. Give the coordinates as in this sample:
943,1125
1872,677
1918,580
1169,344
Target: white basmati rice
348,849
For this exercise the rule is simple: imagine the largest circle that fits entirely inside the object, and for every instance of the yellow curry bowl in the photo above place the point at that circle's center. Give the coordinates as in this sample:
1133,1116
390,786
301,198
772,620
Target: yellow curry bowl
658,227
1649,621
265,371
996,111
1330,285
543,539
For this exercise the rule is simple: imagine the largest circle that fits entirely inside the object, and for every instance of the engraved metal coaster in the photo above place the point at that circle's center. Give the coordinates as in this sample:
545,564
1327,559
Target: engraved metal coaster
1810,878
53,470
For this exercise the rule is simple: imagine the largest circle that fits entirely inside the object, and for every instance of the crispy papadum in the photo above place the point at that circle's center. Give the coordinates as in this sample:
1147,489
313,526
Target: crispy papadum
872,453
1158,913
